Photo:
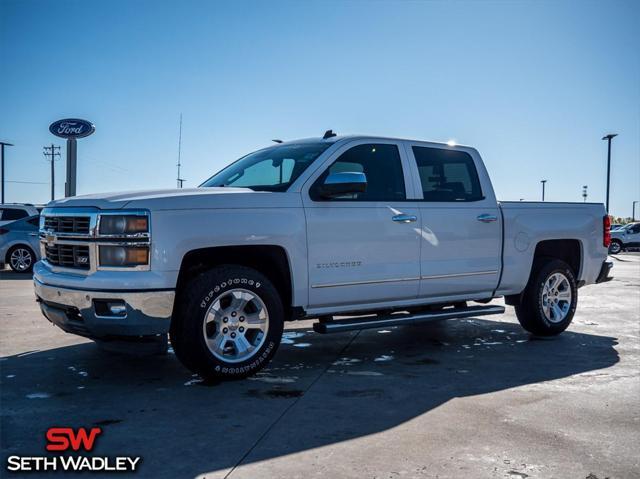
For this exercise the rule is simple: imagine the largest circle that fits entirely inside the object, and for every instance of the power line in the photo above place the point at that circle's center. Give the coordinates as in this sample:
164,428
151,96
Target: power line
50,151
27,182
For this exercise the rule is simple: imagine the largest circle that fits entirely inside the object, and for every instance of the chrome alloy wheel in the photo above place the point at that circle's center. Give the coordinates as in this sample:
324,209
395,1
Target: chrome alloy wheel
235,325
556,297
615,247
21,259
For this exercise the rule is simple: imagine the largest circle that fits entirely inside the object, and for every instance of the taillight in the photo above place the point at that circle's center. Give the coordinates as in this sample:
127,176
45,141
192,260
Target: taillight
606,231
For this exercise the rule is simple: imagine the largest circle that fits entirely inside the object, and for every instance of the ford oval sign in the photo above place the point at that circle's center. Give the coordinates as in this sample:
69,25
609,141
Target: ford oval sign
72,128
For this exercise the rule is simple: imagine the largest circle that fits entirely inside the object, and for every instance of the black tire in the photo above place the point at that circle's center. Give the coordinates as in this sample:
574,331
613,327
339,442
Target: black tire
616,247
32,258
530,310
188,338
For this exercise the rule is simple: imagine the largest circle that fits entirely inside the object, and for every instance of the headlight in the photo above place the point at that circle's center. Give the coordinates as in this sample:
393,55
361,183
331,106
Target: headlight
123,224
124,256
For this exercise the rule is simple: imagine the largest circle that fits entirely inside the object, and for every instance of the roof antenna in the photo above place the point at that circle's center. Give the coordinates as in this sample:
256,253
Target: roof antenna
328,134
180,181
277,141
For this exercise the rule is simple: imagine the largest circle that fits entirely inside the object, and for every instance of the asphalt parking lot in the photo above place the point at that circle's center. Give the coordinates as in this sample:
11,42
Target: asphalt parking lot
474,398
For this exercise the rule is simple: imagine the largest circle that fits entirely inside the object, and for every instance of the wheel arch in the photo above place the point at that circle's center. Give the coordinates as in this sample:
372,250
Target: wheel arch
270,260
568,250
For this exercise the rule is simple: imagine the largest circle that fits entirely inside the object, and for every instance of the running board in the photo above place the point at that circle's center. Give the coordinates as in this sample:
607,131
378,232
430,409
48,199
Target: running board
399,319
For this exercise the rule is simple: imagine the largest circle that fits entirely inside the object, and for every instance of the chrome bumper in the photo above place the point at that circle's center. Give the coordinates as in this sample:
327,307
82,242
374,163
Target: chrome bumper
146,312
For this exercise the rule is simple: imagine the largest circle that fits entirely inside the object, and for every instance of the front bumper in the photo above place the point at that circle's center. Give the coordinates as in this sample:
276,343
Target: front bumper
147,313
603,277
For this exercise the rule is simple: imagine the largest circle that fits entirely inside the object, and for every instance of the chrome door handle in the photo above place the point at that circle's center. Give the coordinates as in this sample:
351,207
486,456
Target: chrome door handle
486,218
404,218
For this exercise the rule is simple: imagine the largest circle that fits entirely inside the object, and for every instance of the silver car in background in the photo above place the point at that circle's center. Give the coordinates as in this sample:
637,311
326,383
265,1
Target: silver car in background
19,244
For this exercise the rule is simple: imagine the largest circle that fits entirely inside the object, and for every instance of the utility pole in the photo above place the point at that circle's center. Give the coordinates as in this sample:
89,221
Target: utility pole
50,151
2,145
609,137
180,181
584,193
543,183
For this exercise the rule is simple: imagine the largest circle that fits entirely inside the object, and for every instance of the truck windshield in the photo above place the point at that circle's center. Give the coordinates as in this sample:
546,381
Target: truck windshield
271,169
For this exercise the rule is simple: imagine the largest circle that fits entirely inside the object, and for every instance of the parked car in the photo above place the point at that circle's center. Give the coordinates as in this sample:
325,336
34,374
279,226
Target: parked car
377,231
19,243
626,237
13,211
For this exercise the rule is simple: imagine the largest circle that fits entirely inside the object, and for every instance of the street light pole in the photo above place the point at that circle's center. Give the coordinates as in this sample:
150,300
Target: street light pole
543,183
584,193
2,145
633,211
609,137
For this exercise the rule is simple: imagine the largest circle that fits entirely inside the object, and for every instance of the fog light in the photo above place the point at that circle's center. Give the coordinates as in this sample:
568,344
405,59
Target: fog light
117,309
110,307
123,256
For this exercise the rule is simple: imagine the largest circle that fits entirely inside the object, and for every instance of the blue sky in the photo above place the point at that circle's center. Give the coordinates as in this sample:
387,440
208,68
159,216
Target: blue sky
532,85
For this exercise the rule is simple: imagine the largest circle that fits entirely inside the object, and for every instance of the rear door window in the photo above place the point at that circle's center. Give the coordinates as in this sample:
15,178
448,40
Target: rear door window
447,175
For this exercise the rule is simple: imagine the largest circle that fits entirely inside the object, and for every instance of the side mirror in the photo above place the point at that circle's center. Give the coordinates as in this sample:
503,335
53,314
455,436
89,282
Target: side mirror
346,183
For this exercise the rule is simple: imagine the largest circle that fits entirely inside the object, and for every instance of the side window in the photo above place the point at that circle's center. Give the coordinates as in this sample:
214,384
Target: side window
447,175
635,229
35,221
381,165
11,214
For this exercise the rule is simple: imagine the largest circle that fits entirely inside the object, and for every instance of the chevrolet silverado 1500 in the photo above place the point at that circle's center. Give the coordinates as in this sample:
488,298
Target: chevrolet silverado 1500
358,232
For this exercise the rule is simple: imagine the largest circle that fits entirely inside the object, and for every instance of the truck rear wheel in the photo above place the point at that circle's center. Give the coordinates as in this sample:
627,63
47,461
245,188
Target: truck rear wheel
228,323
549,300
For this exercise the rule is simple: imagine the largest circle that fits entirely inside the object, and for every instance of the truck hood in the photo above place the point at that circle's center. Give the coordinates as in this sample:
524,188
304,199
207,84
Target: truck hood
170,199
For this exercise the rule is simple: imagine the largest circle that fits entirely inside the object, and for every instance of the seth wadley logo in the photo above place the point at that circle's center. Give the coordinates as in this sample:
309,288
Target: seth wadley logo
66,439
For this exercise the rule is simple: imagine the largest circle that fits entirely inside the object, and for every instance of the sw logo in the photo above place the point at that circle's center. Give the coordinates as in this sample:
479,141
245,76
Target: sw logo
69,440
65,438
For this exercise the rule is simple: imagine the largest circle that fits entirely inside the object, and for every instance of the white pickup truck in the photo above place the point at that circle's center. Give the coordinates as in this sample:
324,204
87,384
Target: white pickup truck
358,232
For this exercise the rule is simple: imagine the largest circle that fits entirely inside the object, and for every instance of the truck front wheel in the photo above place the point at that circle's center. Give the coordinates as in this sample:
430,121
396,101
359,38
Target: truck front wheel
549,300
228,323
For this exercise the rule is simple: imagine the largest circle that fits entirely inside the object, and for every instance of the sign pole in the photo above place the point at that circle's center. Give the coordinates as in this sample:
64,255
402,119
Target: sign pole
71,129
2,145
72,163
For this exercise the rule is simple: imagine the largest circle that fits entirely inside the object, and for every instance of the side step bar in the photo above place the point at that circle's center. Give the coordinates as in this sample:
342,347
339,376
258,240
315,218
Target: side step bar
399,319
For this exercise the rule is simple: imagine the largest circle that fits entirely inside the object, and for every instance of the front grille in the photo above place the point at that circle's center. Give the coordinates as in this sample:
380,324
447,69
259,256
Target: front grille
68,255
67,224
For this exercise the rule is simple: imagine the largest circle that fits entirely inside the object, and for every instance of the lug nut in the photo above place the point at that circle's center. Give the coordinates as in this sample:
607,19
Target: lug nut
225,319
233,314
233,335
241,329
225,330
241,318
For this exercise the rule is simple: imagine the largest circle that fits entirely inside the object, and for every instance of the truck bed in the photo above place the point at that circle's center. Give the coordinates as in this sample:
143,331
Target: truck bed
526,223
